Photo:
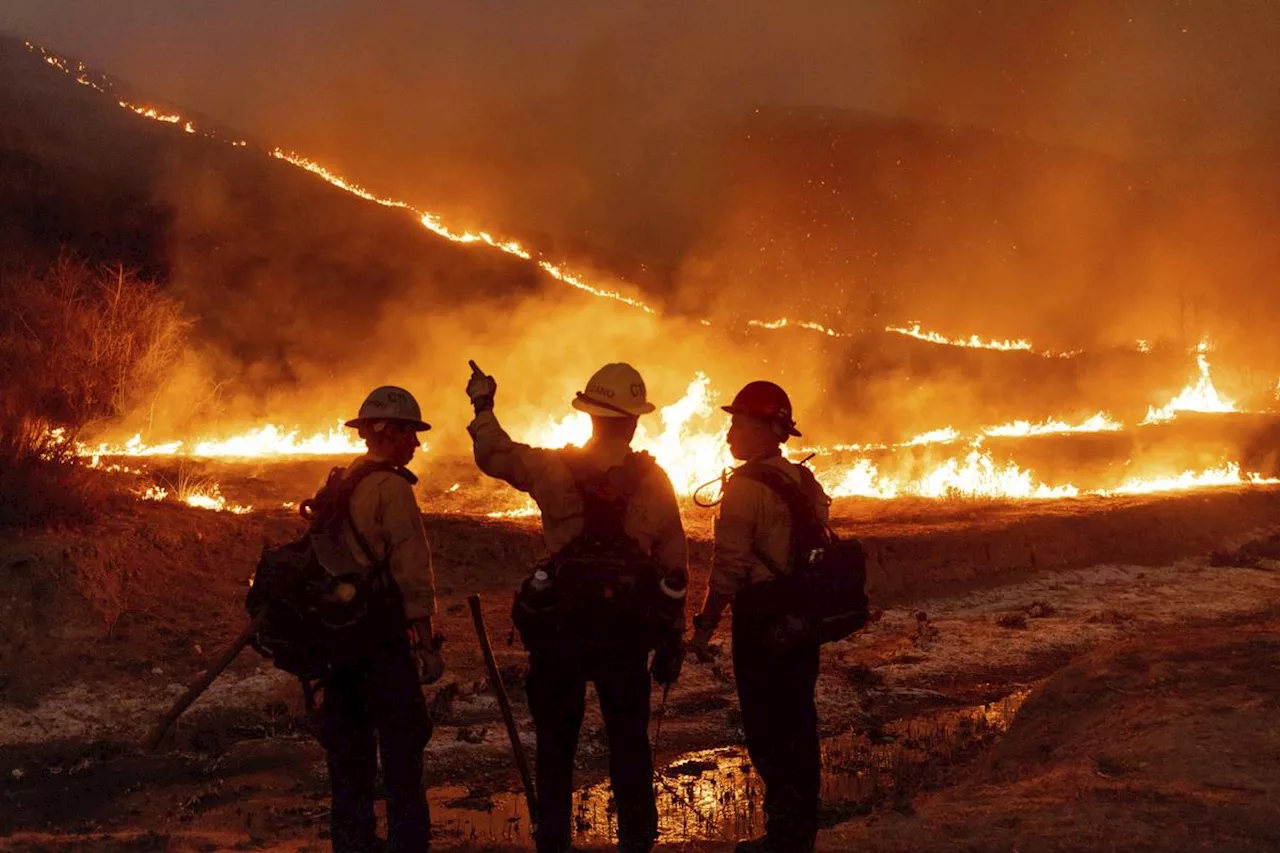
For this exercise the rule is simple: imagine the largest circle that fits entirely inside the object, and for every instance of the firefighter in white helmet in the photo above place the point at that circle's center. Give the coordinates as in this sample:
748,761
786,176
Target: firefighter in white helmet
612,528
373,699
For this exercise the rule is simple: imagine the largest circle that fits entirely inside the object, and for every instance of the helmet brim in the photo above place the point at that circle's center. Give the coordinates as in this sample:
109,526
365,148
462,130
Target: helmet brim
418,426
583,403
790,428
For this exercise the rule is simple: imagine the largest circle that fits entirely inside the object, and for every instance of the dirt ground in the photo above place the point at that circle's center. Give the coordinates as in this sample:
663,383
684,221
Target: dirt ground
1166,742
1150,622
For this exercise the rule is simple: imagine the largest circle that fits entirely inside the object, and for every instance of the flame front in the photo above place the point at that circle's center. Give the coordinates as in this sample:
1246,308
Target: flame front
975,474
257,443
1200,397
972,342
689,444
1101,422
204,495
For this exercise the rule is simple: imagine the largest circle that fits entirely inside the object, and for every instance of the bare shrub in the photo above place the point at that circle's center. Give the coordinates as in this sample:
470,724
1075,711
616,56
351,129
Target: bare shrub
78,345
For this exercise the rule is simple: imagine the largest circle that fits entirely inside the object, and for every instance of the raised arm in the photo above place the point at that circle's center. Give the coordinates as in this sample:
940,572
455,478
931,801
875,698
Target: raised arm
496,453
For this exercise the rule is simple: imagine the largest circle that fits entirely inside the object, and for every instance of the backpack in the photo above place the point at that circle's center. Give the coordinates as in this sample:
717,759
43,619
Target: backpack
320,605
604,588
826,581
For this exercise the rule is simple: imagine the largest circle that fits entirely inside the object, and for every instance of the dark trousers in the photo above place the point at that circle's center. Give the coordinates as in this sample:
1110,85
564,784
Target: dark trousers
375,705
557,690
776,682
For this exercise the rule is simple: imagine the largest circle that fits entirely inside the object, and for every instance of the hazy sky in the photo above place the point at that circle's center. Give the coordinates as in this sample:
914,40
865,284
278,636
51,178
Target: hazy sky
1102,73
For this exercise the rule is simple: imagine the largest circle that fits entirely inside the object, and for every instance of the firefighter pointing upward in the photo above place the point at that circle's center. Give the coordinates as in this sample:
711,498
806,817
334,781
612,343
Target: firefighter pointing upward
611,591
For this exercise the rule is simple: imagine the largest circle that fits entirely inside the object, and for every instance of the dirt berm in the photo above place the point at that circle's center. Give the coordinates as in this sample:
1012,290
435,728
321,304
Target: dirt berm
163,586
1164,743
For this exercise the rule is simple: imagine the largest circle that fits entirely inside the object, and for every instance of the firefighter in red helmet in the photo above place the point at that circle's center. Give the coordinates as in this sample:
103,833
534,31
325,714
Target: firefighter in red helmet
775,663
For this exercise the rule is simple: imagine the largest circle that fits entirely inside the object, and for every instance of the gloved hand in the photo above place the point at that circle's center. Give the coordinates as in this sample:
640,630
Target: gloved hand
700,646
425,646
667,661
481,388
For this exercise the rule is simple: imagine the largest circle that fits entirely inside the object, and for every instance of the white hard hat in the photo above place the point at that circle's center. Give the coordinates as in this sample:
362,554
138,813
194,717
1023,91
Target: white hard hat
389,403
614,391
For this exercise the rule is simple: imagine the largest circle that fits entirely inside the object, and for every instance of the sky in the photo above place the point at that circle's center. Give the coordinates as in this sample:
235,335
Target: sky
1113,74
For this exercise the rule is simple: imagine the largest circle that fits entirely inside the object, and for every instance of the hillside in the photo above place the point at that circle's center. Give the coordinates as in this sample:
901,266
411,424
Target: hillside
273,263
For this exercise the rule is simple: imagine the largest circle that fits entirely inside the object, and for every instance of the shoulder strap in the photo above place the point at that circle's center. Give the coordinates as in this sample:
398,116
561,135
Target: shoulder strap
798,504
362,470
780,484
607,494
332,504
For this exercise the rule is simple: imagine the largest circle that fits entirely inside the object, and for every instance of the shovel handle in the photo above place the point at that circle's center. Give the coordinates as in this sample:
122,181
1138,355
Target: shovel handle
522,763
202,683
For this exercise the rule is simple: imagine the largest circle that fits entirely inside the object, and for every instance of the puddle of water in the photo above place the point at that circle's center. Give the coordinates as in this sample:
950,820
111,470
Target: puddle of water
714,795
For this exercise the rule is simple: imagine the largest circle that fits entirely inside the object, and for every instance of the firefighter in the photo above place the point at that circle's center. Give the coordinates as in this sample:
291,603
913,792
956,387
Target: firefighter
373,703
573,654
775,659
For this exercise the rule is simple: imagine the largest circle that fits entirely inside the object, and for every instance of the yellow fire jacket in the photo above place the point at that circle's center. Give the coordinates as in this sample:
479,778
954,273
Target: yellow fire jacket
385,511
653,516
753,518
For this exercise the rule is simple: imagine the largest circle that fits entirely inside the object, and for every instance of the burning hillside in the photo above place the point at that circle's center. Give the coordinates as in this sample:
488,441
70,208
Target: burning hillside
947,413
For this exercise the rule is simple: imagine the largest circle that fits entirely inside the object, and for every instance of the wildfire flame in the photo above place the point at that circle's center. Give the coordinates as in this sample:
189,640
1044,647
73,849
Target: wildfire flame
1227,474
783,322
1200,397
689,444
1101,422
152,113
975,474
265,441
201,496
687,447
972,342
432,223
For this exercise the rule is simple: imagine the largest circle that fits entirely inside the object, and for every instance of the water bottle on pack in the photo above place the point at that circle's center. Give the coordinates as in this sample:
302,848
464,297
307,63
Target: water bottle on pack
534,613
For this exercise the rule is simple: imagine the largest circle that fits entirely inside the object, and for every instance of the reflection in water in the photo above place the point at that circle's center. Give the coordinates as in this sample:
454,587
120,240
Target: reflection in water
714,794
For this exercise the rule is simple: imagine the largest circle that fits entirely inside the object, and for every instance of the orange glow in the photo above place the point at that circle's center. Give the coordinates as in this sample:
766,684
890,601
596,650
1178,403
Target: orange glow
1200,397
975,474
201,496
688,437
433,223
1101,422
783,322
973,341
265,441
1227,474
689,447
152,113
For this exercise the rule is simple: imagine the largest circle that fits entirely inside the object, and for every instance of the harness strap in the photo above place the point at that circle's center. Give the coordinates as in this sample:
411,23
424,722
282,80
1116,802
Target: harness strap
798,506
344,484
379,569
607,494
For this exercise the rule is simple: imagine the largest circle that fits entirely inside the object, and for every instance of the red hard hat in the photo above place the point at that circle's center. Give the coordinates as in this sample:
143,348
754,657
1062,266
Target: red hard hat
764,401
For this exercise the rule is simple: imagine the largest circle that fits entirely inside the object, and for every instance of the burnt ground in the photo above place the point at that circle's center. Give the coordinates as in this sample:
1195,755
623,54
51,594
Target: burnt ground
1143,632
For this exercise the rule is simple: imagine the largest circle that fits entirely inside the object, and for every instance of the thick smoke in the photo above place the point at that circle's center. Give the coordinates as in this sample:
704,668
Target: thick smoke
1079,174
